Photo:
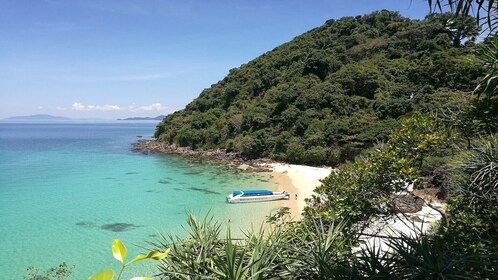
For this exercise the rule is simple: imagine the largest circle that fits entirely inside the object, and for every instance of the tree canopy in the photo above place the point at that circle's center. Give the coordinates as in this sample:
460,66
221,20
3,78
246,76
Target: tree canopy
330,92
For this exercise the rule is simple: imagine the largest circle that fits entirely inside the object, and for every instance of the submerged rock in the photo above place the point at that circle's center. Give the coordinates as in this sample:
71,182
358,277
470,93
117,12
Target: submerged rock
118,227
86,224
204,190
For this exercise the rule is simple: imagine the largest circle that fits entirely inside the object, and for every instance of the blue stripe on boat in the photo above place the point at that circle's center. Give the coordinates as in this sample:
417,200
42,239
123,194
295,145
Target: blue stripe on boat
253,192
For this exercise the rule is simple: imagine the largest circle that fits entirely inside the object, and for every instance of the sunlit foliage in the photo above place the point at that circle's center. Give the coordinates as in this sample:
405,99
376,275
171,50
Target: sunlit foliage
333,91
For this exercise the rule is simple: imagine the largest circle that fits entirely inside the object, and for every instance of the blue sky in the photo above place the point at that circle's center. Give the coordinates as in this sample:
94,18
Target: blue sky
109,59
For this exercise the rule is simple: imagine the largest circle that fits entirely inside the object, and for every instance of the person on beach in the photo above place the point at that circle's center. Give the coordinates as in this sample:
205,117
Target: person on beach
296,196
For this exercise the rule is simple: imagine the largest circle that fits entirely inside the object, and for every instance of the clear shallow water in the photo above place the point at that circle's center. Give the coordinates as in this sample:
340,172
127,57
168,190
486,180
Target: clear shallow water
68,189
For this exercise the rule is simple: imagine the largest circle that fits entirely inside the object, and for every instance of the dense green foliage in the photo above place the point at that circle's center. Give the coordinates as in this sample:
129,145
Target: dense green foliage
362,189
331,92
453,151
325,244
485,110
473,207
328,94
309,250
320,99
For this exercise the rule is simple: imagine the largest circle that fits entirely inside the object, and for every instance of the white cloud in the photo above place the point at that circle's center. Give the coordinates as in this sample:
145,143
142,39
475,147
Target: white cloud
152,107
81,107
78,106
137,110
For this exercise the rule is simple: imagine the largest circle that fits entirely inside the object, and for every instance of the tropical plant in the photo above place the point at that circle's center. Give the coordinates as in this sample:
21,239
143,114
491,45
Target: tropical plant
364,188
488,56
290,250
119,252
316,249
419,256
205,253
190,256
481,167
486,11
473,207
485,108
319,250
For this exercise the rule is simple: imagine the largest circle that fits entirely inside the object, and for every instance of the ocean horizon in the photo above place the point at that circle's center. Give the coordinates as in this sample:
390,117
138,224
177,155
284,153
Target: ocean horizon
67,189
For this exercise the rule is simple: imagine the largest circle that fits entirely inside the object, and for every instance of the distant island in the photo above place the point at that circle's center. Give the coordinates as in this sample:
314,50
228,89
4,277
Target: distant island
39,117
158,118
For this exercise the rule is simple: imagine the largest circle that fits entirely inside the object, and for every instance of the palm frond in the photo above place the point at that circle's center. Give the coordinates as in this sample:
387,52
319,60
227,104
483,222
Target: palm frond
470,7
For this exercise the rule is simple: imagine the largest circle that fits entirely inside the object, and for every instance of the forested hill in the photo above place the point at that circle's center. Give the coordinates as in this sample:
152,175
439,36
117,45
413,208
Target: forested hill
332,91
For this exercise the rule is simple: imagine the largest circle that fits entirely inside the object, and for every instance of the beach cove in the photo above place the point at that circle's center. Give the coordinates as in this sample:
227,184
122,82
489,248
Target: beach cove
68,189
298,180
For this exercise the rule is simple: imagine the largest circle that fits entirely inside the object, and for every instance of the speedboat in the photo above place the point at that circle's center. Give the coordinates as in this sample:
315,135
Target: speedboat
255,196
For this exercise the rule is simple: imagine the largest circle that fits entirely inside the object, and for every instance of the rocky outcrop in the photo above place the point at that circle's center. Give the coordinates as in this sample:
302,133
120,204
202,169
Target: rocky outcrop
407,203
219,155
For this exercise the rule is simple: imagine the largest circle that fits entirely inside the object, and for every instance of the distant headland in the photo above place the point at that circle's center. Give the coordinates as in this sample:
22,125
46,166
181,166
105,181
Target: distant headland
38,117
158,118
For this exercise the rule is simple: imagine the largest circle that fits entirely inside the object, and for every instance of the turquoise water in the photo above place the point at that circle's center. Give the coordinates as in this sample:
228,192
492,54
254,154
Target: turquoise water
68,189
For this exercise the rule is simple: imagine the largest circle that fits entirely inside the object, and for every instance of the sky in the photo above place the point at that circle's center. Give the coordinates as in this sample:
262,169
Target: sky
111,59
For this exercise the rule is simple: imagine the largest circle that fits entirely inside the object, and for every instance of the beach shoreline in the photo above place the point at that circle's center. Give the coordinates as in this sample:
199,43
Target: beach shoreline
300,181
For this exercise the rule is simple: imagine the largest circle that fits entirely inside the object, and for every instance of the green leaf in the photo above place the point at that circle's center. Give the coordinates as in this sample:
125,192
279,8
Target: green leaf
154,255
118,250
107,274
142,278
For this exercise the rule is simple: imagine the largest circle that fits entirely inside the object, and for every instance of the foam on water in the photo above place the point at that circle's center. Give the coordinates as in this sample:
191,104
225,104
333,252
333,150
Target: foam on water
67,190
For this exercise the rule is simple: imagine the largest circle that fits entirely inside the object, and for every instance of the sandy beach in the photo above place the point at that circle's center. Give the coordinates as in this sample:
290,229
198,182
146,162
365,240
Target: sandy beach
298,180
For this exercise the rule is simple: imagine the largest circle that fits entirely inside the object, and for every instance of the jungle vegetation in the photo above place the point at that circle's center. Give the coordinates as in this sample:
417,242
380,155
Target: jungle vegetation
406,111
331,92
404,101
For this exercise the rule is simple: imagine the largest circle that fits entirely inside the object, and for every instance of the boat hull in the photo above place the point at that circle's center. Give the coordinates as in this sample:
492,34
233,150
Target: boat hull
260,198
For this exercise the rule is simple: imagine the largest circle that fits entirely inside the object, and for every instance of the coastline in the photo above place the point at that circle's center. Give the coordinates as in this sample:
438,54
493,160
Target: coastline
219,155
298,180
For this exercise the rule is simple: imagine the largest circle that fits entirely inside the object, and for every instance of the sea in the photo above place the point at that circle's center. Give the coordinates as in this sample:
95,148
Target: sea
68,189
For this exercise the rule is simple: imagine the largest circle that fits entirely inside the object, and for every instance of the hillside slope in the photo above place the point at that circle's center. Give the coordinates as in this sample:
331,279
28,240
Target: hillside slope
332,91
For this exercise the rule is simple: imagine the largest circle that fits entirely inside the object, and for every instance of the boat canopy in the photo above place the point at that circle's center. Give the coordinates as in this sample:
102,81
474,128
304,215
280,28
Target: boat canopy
253,192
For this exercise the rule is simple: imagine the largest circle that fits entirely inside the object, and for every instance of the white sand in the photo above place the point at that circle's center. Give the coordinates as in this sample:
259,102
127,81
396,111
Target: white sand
300,180
410,224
